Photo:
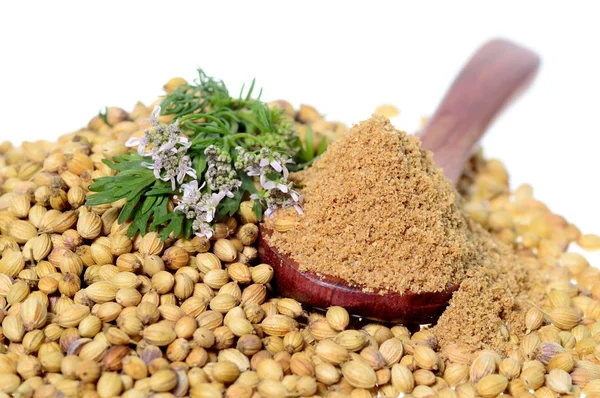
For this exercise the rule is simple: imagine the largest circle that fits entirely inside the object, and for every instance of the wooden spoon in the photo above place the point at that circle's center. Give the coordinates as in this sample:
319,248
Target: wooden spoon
495,74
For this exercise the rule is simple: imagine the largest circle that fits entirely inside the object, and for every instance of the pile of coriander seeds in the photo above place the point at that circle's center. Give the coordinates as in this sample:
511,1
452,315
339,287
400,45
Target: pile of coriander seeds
86,311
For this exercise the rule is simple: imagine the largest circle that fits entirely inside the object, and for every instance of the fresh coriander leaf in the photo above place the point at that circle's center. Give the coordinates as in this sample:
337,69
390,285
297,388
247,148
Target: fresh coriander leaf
161,188
229,206
307,150
200,164
129,208
187,227
101,198
125,162
258,210
100,183
322,146
161,214
175,225
248,184
142,217
148,205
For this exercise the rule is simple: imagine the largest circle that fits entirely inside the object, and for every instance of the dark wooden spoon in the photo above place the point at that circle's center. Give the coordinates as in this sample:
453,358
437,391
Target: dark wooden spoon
495,74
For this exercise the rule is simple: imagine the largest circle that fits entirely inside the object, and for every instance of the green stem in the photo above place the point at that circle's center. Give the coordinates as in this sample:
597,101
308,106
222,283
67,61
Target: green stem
208,117
249,117
247,136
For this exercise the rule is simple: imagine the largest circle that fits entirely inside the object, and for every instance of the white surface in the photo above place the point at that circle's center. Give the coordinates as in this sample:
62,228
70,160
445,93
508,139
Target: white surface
61,63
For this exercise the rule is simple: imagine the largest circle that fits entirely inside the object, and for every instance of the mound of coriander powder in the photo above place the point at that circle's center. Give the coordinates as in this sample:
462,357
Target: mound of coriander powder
380,215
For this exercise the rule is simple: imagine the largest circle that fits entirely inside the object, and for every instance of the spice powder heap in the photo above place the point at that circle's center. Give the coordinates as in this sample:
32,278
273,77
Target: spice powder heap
379,215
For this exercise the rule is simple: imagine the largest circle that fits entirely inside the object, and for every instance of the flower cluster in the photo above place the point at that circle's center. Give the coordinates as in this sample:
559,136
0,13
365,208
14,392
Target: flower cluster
168,152
220,176
199,206
271,168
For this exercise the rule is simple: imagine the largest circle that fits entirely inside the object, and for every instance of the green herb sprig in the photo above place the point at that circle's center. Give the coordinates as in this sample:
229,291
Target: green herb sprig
221,150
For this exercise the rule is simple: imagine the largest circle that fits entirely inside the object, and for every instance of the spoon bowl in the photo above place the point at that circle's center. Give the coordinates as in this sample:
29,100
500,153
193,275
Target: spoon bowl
326,291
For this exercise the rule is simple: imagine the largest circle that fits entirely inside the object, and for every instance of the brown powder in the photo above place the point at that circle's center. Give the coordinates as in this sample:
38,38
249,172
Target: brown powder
491,302
380,215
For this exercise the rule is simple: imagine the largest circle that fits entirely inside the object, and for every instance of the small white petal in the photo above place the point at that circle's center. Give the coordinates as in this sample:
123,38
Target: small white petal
269,185
133,141
298,209
217,197
277,166
263,162
192,173
190,185
147,165
180,176
166,146
156,111
283,188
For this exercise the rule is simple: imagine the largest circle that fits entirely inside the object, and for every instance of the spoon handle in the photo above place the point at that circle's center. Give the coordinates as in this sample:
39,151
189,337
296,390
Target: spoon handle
495,75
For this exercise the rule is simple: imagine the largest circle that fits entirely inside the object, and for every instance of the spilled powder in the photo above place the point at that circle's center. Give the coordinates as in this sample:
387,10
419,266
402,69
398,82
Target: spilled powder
378,214
490,304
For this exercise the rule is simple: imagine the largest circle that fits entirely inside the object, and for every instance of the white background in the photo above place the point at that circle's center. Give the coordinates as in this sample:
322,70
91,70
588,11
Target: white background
62,61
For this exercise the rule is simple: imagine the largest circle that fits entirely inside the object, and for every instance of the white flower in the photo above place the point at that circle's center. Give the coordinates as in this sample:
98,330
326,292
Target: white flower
153,119
174,140
263,162
202,229
141,143
277,198
209,205
191,191
271,184
265,183
185,168
199,206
